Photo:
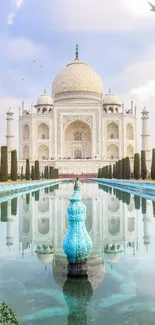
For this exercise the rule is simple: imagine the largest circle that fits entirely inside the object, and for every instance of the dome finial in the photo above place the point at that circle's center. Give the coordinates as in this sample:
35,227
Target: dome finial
109,91
77,52
44,90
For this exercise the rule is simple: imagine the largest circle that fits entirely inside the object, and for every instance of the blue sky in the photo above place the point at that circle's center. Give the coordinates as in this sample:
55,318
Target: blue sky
115,37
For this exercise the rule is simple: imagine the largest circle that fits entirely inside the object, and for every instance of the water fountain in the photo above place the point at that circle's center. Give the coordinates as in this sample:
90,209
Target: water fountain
77,244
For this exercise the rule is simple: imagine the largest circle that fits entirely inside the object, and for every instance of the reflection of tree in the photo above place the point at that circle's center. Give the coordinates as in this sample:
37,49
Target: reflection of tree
77,293
14,206
27,198
153,205
4,211
137,202
36,194
143,205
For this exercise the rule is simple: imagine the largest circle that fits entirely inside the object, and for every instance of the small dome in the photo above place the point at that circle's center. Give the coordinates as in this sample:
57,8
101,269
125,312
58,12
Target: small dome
77,80
10,111
111,99
44,99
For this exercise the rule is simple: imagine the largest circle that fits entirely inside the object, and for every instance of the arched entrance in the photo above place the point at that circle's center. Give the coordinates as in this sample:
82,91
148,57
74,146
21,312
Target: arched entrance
77,141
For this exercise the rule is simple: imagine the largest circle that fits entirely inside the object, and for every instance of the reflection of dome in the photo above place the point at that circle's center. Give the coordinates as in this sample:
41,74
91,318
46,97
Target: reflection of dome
111,99
112,252
44,99
44,254
96,270
77,80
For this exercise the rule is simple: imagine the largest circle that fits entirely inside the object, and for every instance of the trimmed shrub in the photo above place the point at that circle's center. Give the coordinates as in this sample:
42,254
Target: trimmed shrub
13,165
4,164
37,170
21,174
136,166
32,173
153,165
27,173
127,168
143,165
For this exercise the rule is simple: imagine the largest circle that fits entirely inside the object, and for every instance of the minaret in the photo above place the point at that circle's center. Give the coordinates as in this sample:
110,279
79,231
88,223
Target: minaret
10,132
145,133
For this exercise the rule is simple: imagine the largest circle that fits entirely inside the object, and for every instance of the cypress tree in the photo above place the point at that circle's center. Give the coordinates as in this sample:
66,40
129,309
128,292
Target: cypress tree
32,173
42,175
137,202
4,164
153,165
47,172
120,169
110,172
143,165
117,170
114,171
127,168
36,170
143,205
99,173
13,165
106,172
14,206
123,168
136,166
21,174
27,173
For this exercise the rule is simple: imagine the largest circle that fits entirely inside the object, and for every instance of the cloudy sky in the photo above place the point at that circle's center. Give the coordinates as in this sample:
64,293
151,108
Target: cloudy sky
115,37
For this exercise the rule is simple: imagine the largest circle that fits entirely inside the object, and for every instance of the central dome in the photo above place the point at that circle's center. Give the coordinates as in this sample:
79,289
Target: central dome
77,80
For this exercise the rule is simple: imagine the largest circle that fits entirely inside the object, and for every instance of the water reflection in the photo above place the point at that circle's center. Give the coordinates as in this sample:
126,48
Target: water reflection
118,223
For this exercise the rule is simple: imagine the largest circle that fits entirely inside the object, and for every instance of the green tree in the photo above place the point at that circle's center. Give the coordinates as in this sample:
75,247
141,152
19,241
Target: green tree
136,166
21,174
27,173
143,165
127,168
13,165
123,168
153,165
106,172
120,169
32,173
51,172
4,164
110,172
117,170
37,170
114,171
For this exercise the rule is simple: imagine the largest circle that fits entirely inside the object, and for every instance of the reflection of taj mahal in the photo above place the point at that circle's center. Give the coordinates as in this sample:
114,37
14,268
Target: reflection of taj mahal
78,129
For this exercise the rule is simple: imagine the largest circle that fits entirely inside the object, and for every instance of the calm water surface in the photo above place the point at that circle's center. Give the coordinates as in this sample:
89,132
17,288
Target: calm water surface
120,288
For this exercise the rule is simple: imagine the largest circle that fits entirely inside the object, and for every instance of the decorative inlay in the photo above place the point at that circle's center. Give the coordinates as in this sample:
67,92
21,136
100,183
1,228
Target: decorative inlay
71,118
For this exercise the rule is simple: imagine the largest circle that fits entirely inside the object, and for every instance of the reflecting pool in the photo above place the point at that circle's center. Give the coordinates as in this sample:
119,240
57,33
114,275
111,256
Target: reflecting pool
120,286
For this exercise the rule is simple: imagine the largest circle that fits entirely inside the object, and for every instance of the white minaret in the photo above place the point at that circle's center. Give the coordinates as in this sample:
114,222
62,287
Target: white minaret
10,132
145,133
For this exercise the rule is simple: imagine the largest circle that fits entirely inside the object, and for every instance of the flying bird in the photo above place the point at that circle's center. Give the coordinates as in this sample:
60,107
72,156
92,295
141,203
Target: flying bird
22,78
41,66
34,61
152,6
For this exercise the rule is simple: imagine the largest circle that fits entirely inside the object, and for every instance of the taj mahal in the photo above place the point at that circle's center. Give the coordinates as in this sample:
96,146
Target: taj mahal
77,129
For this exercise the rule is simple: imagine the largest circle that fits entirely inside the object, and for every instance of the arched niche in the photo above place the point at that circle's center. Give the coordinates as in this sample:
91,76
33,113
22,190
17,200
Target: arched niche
44,110
43,131
131,224
129,131
26,132
110,110
77,140
113,204
112,131
26,225
104,109
114,226
43,152
43,226
113,151
26,152
130,151
43,206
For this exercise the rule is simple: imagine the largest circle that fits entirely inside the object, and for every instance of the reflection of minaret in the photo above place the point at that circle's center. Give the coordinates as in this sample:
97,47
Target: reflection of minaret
147,230
10,132
145,132
10,227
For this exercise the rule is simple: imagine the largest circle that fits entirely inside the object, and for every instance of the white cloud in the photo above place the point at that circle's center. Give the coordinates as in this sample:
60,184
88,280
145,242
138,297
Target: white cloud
144,92
12,15
22,49
99,15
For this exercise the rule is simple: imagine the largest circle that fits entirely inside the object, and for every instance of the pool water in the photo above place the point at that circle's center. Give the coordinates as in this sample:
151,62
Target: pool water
120,288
